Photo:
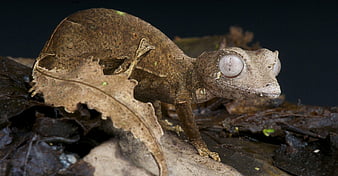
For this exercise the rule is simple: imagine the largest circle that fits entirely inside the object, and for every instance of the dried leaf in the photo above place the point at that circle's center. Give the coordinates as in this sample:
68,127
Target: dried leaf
112,95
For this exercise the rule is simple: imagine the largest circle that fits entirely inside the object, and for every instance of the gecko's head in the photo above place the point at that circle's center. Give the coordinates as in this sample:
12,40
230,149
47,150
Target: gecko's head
235,73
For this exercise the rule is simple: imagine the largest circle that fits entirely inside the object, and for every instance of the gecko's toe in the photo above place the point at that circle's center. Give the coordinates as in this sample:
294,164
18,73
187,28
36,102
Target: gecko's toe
215,156
171,127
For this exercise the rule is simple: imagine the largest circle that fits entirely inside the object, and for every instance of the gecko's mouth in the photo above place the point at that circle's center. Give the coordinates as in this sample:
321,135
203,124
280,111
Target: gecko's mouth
253,94
271,91
270,95
268,91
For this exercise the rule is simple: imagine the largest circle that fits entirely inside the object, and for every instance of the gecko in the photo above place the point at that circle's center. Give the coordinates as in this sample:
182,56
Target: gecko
163,71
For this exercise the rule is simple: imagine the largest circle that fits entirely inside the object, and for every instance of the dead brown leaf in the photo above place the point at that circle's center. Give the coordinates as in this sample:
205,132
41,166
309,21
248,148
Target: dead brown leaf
112,95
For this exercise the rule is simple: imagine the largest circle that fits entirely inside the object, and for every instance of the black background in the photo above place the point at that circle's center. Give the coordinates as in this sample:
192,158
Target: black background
304,32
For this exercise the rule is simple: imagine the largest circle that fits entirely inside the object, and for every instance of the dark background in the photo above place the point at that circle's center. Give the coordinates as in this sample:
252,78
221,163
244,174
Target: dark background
304,32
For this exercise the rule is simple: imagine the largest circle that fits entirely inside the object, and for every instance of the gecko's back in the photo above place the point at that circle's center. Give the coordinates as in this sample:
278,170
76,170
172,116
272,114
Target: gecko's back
110,34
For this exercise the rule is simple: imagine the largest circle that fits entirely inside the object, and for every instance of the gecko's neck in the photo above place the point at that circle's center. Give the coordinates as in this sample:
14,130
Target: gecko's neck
196,81
199,92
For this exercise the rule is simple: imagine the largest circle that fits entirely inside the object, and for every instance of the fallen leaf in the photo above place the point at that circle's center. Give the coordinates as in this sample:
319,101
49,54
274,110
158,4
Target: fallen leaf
112,95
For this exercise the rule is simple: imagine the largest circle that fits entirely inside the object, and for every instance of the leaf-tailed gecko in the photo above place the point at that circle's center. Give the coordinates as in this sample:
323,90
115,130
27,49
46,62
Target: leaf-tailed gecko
162,70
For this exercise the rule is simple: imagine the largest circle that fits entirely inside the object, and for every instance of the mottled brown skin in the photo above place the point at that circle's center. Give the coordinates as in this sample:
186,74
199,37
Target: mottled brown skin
164,73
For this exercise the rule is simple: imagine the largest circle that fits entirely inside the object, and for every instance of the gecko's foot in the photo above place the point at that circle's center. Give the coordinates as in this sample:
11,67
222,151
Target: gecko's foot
171,127
129,65
207,153
203,150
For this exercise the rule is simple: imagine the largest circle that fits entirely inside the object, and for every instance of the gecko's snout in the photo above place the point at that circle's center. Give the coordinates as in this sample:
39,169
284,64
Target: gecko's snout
271,90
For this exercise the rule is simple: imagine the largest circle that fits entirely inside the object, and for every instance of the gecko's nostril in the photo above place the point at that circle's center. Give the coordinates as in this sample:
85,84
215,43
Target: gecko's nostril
268,84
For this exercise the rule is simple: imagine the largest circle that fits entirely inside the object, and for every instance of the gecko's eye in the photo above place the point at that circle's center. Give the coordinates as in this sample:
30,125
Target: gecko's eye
231,65
276,68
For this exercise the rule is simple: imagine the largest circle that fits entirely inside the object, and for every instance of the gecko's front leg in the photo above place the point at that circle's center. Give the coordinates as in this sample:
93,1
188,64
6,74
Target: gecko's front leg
184,112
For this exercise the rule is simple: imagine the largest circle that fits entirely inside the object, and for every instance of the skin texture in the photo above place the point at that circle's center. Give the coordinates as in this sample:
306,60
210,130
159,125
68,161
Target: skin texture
163,71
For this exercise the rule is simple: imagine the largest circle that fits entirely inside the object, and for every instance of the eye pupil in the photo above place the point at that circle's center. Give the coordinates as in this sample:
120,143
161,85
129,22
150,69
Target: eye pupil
231,65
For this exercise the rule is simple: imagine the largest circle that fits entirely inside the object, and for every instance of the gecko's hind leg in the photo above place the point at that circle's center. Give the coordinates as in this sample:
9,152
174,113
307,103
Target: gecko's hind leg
129,64
165,124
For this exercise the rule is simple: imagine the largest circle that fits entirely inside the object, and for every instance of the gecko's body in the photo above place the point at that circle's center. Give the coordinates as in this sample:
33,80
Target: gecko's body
163,71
